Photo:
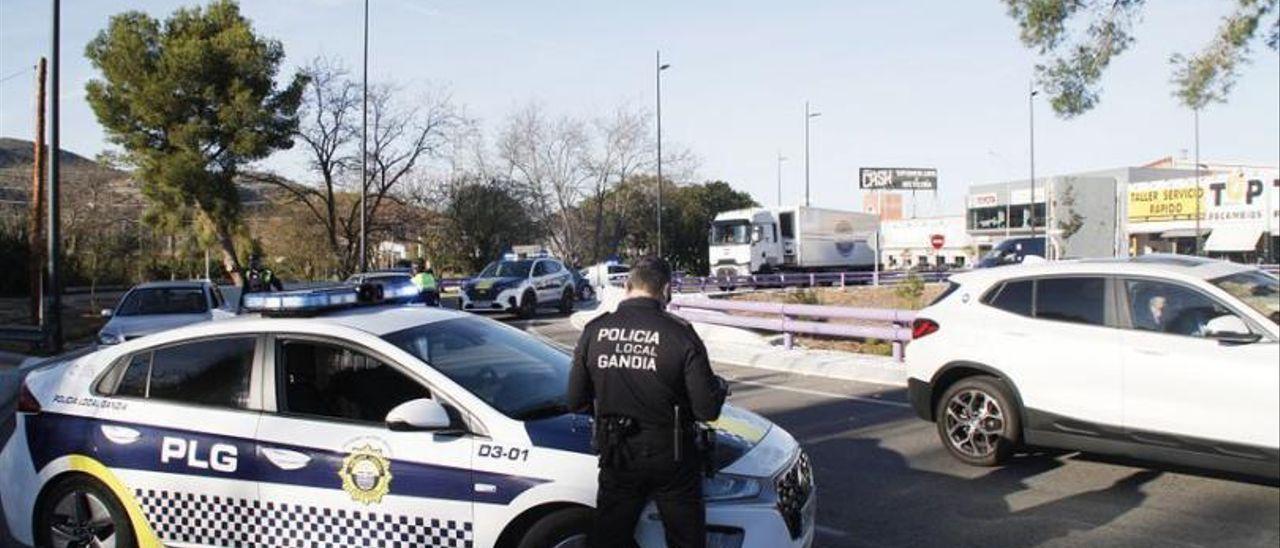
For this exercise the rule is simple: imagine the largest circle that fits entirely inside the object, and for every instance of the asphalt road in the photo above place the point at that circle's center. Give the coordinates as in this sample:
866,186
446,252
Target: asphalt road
884,479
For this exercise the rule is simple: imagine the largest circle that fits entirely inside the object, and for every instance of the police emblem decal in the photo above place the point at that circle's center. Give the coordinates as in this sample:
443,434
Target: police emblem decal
366,475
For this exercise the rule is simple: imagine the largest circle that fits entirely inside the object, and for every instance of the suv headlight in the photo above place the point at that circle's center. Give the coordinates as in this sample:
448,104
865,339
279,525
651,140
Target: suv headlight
730,487
110,338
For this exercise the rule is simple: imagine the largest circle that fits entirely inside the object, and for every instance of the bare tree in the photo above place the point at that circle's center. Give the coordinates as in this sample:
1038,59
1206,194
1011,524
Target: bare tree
402,137
547,159
622,147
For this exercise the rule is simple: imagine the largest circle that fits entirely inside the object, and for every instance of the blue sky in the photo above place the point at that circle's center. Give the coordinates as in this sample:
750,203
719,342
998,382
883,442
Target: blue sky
912,83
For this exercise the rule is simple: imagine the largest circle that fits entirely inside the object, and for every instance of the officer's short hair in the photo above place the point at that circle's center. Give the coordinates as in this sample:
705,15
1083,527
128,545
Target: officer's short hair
649,274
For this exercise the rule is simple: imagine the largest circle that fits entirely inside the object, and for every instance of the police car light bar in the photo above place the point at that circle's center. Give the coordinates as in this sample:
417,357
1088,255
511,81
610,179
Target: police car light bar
313,301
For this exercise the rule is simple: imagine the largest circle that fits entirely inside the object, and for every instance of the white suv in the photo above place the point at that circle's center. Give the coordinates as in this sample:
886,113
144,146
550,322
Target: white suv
1160,357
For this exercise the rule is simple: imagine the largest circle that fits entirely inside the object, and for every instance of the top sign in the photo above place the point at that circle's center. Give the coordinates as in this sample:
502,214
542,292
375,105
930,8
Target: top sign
897,178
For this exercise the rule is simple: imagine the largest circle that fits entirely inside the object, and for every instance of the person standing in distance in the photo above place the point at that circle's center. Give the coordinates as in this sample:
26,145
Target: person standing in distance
644,374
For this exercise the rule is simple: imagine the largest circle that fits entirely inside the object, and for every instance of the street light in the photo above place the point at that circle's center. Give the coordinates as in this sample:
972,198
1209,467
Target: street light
807,116
1031,209
781,159
364,139
657,76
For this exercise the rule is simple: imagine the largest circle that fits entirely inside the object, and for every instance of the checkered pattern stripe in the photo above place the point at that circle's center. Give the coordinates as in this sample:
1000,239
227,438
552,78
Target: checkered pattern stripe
220,521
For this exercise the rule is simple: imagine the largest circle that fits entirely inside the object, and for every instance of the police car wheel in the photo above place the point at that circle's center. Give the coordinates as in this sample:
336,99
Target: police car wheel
566,302
563,529
82,512
528,305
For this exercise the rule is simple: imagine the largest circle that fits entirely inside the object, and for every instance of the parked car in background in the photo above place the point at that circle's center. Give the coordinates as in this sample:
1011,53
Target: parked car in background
156,306
1012,251
582,287
1163,357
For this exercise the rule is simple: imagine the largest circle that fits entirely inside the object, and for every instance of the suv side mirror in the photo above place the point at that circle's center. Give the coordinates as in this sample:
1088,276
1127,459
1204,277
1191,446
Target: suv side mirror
1230,329
422,414
106,312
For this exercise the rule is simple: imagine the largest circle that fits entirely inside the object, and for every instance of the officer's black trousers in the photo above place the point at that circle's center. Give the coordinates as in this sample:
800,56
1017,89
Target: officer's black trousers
676,489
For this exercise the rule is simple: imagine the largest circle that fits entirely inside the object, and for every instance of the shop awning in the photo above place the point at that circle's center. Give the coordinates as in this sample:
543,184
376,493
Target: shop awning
1233,238
1182,233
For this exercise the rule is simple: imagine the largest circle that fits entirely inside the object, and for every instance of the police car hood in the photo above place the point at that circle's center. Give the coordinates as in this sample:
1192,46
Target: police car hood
738,432
500,281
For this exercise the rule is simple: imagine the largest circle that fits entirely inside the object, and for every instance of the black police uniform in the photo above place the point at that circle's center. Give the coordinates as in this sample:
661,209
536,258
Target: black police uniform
261,279
639,368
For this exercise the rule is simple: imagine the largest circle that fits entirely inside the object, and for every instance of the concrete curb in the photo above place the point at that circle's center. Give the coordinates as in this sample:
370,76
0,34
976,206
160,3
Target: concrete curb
746,348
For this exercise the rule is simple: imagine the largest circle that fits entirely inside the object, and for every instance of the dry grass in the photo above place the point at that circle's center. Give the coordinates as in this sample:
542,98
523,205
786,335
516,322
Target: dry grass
856,297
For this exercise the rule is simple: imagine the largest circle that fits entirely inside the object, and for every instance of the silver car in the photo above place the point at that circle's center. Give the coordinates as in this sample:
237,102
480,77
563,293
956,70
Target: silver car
156,306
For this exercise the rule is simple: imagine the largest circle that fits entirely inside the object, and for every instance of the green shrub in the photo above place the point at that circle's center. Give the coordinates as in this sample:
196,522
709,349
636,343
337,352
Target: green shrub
910,290
876,347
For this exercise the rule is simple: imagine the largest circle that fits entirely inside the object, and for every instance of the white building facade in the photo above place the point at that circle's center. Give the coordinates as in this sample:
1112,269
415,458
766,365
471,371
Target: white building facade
910,243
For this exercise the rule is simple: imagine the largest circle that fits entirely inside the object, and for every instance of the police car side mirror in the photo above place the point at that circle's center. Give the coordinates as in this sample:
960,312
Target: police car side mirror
107,312
422,414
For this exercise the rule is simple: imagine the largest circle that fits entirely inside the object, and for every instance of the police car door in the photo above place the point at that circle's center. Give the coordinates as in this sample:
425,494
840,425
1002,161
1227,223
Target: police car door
334,474
547,276
182,437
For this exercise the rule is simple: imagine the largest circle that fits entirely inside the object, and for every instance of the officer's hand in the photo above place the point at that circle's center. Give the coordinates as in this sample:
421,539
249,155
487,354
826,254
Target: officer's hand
722,386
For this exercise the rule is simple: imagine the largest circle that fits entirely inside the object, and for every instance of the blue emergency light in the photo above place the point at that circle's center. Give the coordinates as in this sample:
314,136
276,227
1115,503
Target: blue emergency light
303,302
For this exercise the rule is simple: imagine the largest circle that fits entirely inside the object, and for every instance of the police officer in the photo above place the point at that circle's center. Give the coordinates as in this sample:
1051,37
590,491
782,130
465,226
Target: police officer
645,375
259,278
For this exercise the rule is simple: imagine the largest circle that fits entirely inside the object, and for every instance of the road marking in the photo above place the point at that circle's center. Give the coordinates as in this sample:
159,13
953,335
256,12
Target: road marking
830,531
890,403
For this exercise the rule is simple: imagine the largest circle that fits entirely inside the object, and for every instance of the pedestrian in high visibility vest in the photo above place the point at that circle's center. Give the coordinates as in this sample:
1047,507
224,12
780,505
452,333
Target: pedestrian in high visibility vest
425,279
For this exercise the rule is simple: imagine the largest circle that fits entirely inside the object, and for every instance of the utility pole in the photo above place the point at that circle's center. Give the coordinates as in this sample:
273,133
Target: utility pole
364,140
34,240
807,116
53,293
1031,208
657,77
781,159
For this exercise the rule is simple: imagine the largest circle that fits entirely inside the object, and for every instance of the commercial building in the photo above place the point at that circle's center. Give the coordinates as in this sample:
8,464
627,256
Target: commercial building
1135,210
932,242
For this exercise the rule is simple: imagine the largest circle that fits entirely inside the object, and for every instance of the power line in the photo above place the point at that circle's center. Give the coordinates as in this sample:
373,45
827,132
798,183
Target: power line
15,74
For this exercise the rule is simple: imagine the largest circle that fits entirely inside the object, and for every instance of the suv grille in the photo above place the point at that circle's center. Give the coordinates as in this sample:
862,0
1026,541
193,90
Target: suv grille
794,488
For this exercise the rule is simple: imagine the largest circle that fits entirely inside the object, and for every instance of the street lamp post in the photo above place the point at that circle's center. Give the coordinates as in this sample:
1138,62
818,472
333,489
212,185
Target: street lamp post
807,116
53,234
1031,208
657,76
364,139
781,159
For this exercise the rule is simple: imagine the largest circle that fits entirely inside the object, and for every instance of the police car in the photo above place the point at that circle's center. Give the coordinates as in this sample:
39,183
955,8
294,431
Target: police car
355,424
521,283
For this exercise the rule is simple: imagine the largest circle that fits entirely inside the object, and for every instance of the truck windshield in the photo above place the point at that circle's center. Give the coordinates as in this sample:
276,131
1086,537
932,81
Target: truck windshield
730,232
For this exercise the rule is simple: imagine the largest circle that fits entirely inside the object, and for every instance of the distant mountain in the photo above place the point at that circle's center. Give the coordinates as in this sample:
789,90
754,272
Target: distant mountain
20,152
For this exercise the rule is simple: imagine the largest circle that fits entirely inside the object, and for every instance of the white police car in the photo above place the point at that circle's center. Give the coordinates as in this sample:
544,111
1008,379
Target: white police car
521,284
358,426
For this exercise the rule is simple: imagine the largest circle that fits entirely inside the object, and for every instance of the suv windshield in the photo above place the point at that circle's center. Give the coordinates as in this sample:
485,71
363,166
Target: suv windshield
730,232
507,269
163,300
514,373
1255,288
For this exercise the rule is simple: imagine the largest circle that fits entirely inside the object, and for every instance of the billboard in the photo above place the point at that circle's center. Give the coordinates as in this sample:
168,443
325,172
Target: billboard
897,178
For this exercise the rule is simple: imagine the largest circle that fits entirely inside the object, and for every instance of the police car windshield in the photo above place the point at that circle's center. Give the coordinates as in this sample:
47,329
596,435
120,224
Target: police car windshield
514,373
163,300
507,269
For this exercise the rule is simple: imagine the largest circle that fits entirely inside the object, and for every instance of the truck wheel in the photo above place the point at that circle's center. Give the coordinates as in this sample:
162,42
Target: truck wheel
79,511
528,305
563,529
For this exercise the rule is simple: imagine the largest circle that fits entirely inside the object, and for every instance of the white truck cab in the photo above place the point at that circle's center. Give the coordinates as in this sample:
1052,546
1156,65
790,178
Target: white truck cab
764,240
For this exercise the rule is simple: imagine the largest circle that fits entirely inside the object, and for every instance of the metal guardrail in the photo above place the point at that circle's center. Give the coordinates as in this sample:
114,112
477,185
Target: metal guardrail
702,284
790,319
